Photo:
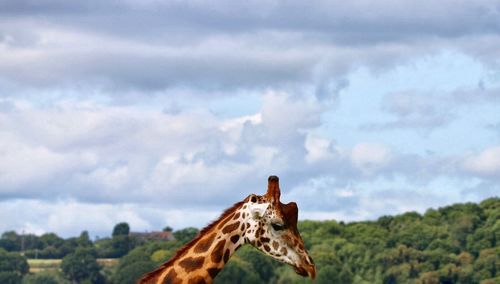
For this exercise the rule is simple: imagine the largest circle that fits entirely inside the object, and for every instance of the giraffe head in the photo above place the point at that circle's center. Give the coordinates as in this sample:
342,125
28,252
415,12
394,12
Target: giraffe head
272,228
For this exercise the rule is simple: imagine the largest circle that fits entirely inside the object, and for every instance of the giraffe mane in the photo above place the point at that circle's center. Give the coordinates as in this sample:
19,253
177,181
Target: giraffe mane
187,246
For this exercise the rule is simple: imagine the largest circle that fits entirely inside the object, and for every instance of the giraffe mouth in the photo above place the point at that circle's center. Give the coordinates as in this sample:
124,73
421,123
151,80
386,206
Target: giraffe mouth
300,271
307,271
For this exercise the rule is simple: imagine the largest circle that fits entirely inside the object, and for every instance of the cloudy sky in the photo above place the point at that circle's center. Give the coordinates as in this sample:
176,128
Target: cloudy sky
165,113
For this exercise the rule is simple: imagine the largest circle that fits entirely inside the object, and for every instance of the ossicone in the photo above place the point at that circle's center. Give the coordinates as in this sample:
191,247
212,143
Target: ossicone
273,188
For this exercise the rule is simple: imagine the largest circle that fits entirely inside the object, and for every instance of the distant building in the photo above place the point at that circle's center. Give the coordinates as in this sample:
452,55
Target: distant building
153,236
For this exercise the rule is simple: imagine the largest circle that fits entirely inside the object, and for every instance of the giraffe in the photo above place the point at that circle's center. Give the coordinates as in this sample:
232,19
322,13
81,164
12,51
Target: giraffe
261,221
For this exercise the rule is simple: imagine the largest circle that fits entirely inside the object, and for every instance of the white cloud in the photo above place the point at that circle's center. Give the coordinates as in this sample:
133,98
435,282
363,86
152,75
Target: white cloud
117,160
189,45
370,157
486,163
283,115
69,217
89,132
318,149
104,153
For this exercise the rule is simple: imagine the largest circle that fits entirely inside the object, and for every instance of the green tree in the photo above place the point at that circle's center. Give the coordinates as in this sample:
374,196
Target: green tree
133,265
121,245
9,277
429,278
487,264
84,240
82,265
237,271
185,235
40,278
10,241
331,274
131,273
12,267
51,240
262,264
121,229
161,255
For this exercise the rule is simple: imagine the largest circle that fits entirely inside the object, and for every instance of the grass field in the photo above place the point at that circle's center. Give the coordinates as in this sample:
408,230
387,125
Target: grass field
39,265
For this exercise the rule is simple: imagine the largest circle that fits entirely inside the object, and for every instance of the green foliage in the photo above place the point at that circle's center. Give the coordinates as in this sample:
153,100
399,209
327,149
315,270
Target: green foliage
9,277
129,274
334,274
161,256
40,278
121,245
118,245
263,265
84,240
237,270
186,235
47,246
121,229
133,265
12,267
487,265
10,241
82,266
454,244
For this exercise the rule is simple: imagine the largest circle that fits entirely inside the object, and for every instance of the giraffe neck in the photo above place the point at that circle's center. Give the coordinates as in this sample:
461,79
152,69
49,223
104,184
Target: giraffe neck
202,259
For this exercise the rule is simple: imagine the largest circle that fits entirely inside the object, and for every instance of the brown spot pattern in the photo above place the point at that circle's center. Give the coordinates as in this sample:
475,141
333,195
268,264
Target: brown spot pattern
218,250
190,264
265,240
197,280
236,216
230,228
204,244
267,248
235,238
223,222
275,245
213,272
284,251
171,277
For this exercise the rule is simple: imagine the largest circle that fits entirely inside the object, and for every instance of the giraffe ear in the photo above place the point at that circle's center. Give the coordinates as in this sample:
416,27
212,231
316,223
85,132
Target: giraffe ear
291,213
258,209
273,189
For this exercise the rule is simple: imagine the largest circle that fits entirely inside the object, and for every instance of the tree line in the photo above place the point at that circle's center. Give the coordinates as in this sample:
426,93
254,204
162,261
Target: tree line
453,244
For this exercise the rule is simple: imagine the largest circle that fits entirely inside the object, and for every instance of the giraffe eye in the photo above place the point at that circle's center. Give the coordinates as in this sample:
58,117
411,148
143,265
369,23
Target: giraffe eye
278,226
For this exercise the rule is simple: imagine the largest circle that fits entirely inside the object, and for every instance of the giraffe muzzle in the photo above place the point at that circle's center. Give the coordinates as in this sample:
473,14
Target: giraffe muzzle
306,270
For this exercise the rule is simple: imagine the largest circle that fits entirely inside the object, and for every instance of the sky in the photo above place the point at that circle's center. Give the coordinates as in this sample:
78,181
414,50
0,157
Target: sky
164,113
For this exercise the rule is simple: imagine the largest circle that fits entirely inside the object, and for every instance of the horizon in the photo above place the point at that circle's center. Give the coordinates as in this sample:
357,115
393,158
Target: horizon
155,230
164,114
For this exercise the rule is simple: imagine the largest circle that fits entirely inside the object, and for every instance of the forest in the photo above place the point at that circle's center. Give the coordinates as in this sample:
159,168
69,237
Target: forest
452,244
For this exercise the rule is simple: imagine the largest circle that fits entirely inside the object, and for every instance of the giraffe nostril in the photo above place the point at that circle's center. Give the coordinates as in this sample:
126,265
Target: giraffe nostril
309,260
